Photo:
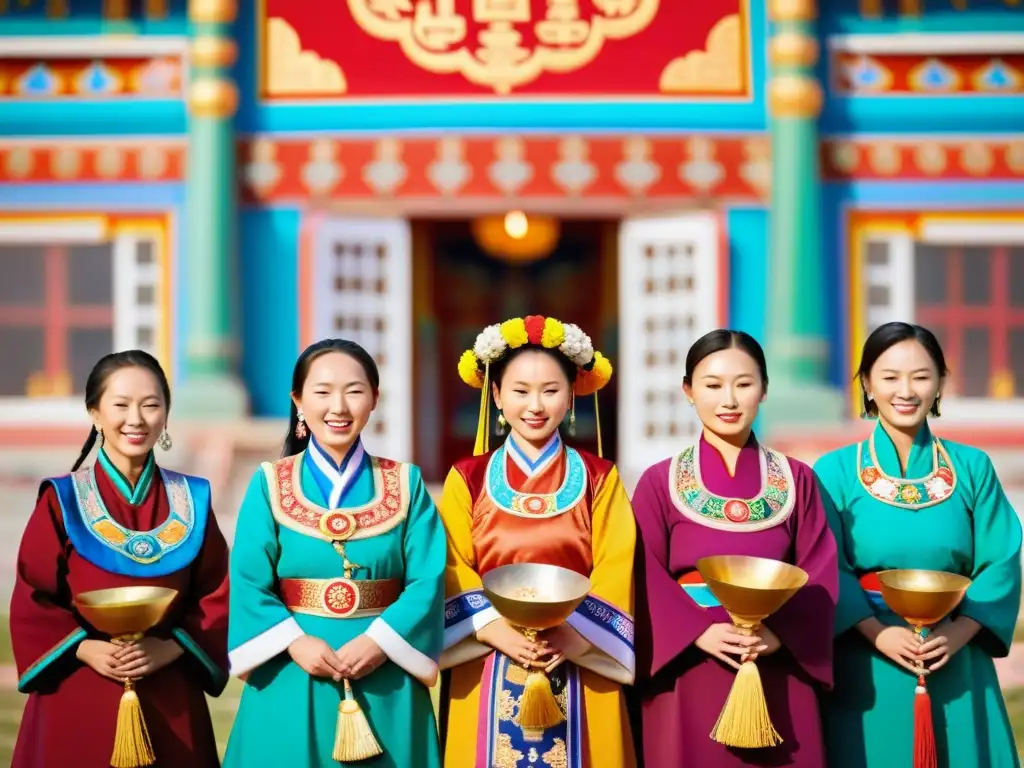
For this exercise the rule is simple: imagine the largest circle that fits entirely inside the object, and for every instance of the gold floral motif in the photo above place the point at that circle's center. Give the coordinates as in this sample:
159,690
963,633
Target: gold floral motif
339,597
507,704
436,38
293,71
110,532
557,756
173,533
505,755
718,68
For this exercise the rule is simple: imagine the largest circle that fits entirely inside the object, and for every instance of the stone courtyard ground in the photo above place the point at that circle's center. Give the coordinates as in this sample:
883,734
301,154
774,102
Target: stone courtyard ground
229,469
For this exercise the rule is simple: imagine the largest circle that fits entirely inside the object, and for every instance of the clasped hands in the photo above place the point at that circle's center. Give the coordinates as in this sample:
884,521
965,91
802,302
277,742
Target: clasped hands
129,660
725,640
907,650
552,647
354,660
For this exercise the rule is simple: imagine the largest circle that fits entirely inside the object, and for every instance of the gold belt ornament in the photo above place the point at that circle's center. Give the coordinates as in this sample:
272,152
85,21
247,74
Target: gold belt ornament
340,598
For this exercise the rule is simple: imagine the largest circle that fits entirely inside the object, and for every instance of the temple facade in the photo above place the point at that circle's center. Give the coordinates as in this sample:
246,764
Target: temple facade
222,183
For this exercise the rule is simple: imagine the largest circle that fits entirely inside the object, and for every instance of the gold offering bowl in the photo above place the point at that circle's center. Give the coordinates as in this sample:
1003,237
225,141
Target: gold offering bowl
533,596
750,588
125,611
922,598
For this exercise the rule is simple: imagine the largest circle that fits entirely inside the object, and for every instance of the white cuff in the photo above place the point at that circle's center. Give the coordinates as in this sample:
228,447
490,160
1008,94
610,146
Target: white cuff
264,647
418,665
609,645
456,633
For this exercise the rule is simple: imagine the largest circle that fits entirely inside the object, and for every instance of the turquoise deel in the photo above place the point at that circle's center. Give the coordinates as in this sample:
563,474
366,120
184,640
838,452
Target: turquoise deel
288,718
869,715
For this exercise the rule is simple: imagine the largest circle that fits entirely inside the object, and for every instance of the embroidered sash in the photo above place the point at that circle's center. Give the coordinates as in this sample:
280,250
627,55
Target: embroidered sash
771,507
903,492
387,509
107,544
340,598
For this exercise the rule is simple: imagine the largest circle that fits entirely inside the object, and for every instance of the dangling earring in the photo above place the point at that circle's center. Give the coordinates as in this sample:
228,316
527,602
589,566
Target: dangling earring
935,408
300,426
865,412
502,424
165,440
99,436
689,401
572,423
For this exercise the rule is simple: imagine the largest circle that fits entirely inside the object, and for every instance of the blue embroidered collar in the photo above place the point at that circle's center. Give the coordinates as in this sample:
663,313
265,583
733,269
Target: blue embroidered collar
538,505
334,480
547,455
136,495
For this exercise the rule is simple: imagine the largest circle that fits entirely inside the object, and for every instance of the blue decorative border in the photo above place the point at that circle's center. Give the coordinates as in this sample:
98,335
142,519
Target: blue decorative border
464,607
609,618
64,646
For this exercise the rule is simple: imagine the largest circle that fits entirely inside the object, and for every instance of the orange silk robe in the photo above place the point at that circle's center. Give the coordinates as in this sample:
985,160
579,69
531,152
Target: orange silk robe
590,530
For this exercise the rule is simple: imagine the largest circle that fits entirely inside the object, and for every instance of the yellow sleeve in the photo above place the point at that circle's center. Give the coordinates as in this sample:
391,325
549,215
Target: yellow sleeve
605,619
467,609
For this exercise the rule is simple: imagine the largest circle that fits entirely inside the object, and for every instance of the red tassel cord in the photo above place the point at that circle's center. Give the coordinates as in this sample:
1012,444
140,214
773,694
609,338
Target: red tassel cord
925,754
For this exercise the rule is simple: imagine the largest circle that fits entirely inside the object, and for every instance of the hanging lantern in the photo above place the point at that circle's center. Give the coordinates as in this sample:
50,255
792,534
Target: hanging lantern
516,238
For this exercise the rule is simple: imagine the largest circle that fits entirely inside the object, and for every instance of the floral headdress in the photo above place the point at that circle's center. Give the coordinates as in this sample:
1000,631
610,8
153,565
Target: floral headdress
494,342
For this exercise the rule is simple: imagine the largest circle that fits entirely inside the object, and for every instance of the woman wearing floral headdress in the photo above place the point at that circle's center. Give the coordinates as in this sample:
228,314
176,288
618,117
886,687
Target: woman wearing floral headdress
535,500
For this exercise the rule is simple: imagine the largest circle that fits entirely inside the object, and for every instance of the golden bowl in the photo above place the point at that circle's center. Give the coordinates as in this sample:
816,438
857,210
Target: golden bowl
750,588
535,596
922,598
125,610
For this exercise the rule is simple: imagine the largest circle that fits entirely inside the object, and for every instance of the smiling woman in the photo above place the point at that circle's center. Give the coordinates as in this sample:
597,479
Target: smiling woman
729,495
124,521
336,587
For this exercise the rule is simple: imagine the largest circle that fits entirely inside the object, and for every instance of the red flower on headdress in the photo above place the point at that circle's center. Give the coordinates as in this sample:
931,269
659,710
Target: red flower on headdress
534,328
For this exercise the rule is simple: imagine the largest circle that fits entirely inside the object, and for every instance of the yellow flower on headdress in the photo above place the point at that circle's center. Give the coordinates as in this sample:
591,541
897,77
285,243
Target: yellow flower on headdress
514,332
469,372
554,333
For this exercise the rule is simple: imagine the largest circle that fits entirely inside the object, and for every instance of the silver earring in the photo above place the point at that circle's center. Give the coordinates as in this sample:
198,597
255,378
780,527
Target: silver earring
99,436
165,440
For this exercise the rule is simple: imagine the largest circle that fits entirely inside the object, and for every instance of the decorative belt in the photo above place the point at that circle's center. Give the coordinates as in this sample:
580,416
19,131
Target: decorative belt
340,598
873,591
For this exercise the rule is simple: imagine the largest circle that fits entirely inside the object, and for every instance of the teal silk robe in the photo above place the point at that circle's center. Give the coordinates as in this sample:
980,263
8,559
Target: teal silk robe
288,718
974,532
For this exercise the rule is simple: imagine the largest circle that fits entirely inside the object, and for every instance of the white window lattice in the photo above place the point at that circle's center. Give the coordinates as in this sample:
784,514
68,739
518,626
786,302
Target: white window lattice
669,298
362,292
137,295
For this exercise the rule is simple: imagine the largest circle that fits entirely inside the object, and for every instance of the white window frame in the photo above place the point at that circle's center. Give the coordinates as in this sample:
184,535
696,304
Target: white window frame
397,372
70,411
977,411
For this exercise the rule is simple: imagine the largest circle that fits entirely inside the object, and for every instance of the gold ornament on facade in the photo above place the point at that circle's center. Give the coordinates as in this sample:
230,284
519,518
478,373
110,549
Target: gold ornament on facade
1015,157
66,163
213,97
930,157
151,162
19,162
845,157
885,158
436,38
212,51
976,158
212,11
792,10
792,49
718,68
293,71
109,162
794,96
756,168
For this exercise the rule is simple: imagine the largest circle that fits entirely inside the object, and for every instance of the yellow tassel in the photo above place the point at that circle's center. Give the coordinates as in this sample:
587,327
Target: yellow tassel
132,747
597,419
538,707
483,423
353,740
744,721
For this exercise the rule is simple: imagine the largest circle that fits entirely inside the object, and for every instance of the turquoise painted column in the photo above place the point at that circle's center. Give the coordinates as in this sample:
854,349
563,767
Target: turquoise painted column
797,339
211,388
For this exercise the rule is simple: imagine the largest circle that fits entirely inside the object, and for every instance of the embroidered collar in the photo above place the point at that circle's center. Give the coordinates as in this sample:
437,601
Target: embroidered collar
334,480
536,505
547,455
908,493
136,495
772,506
143,547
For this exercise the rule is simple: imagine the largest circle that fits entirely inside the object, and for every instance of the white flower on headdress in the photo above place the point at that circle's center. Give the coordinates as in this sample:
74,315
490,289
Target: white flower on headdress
490,344
577,345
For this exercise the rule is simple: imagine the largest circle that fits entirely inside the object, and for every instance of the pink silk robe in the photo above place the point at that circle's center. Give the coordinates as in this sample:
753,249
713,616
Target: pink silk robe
71,713
682,689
